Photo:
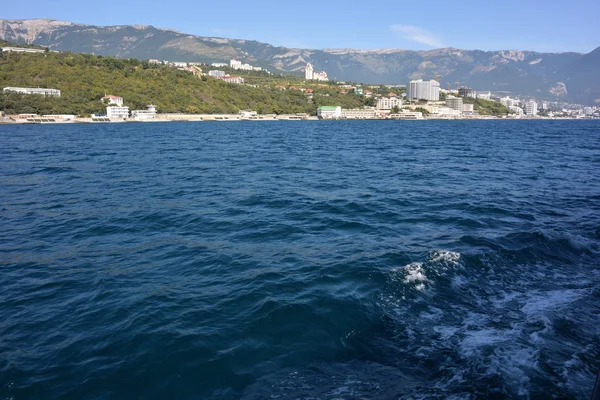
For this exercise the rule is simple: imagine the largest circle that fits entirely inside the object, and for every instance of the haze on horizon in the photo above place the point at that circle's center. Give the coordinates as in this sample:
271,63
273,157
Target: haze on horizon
334,24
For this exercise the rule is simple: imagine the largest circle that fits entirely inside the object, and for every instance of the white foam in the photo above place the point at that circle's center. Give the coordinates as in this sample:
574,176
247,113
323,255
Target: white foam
414,273
444,256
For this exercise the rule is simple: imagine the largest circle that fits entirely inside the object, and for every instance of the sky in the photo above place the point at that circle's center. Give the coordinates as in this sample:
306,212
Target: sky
549,26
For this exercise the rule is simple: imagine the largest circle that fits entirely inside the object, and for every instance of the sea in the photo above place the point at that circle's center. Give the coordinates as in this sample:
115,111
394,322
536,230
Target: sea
300,260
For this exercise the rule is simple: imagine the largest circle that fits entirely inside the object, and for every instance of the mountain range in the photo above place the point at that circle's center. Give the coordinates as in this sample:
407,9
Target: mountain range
571,77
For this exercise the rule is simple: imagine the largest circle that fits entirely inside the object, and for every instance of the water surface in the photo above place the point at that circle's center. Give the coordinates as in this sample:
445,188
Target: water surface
321,260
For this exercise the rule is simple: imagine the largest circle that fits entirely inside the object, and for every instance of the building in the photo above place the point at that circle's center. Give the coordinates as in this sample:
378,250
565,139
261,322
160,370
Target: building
544,106
144,115
236,64
64,117
407,115
154,61
215,73
508,102
248,114
23,50
232,79
484,96
320,76
117,112
455,103
516,110
329,112
465,92
531,108
42,91
219,65
311,74
387,103
116,100
359,113
308,72
468,108
447,112
423,90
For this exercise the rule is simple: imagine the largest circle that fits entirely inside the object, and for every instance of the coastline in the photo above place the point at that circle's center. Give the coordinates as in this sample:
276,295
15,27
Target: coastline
268,117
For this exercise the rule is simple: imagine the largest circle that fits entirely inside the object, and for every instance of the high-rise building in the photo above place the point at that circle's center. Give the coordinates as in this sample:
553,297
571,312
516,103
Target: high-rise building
308,72
531,108
423,90
465,92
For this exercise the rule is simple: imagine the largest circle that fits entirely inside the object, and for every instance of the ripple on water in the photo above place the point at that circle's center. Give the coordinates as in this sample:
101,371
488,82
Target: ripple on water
323,260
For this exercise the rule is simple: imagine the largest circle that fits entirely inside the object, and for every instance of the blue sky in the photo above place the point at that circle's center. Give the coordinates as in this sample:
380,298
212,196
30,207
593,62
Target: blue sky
506,24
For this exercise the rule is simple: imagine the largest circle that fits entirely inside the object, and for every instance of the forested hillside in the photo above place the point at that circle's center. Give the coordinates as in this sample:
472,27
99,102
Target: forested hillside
84,79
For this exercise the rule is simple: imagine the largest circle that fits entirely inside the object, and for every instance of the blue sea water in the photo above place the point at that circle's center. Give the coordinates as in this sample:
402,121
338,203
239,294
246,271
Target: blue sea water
300,260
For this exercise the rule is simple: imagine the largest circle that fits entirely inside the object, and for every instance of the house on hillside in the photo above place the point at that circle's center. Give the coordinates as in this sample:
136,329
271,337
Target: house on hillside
110,99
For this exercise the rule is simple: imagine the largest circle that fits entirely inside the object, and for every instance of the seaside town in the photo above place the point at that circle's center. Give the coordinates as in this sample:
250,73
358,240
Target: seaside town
418,99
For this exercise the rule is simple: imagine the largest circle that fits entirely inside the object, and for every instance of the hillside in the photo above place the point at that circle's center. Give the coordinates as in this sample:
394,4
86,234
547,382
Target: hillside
85,78
553,76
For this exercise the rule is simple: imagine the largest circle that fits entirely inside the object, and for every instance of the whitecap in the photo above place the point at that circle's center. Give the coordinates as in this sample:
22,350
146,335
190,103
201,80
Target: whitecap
444,256
414,273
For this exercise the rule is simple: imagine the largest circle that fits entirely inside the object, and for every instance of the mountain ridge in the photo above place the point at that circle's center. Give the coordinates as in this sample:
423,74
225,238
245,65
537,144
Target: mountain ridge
515,72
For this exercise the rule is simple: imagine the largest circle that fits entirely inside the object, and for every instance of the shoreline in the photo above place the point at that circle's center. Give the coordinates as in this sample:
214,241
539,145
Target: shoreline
262,118
180,117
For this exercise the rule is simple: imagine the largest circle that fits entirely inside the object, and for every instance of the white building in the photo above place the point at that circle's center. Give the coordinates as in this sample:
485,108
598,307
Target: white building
311,74
144,115
23,50
407,115
329,112
483,95
516,110
235,64
508,102
387,103
448,112
364,113
116,100
423,90
320,76
219,65
215,73
308,72
64,117
531,108
455,103
248,114
232,79
117,112
42,91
